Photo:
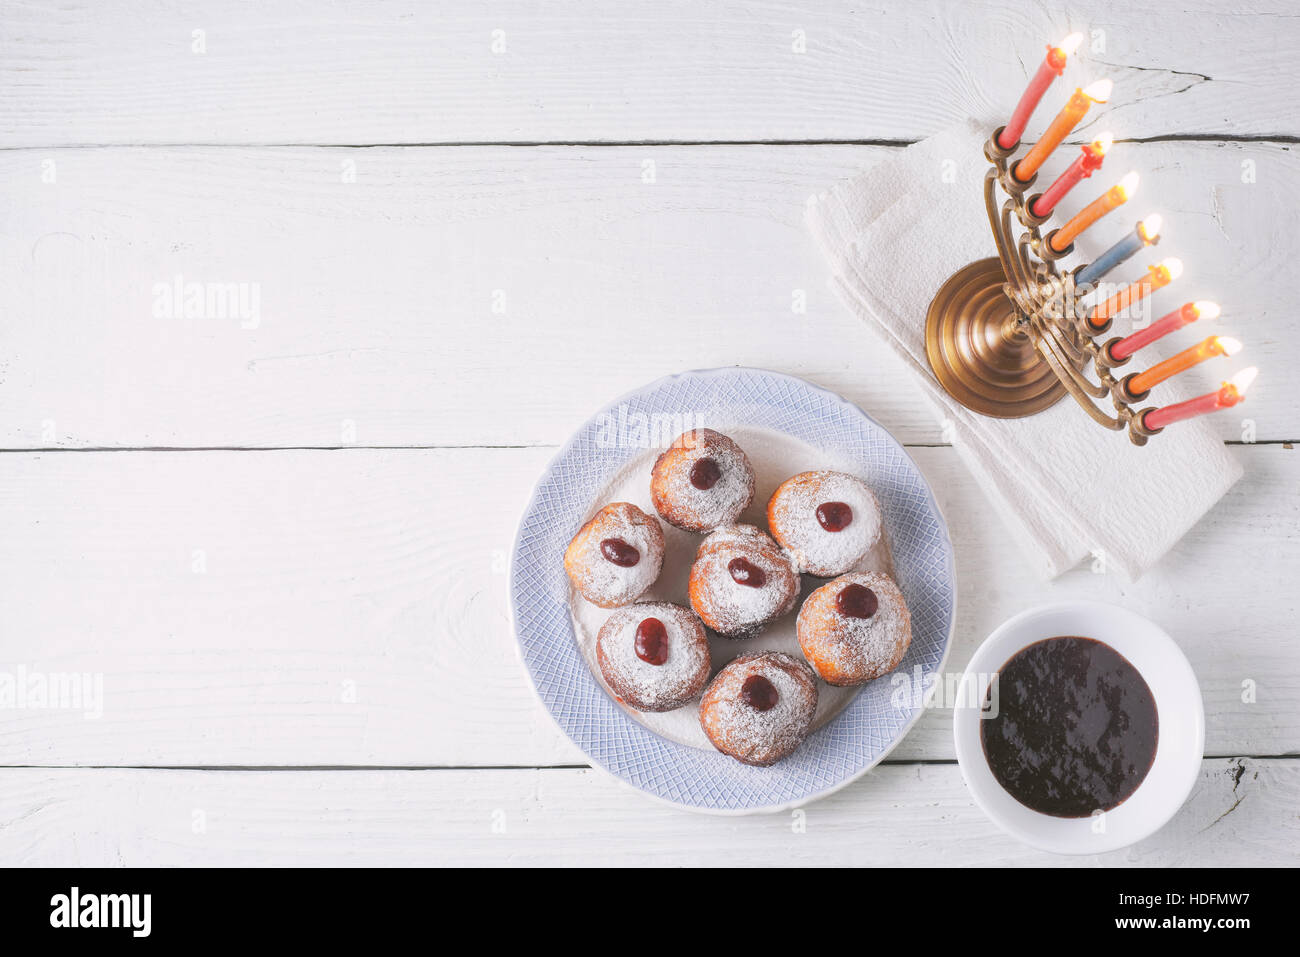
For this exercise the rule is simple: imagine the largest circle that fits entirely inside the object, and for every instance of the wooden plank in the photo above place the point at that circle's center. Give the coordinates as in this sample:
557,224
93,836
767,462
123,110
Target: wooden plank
1240,813
499,296
349,607
409,72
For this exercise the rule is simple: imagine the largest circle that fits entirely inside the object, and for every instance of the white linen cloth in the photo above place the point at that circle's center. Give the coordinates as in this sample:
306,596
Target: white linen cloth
1068,488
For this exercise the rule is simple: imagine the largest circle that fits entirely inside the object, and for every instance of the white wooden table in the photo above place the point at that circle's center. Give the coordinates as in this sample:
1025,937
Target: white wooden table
281,540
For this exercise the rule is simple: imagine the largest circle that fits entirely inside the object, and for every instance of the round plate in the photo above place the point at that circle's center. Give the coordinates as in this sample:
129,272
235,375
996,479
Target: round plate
1180,742
866,730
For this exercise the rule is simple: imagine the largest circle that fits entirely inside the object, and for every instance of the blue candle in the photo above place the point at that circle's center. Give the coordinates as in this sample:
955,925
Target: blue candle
1146,233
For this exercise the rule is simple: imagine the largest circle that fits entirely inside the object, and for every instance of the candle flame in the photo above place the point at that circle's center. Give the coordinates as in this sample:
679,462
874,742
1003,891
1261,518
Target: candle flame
1228,346
1128,185
1243,379
1070,43
1172,266
1104,142
1206,310
1151,227
1099,92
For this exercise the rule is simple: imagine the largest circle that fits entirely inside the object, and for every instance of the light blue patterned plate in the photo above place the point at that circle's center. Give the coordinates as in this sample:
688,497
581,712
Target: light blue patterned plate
872,723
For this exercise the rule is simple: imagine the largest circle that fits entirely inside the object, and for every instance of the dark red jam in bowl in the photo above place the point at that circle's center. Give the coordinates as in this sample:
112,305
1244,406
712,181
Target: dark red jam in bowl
1075,730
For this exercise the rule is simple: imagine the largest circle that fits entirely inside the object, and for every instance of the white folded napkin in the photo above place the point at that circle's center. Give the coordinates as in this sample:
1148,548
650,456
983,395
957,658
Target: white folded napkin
1069,488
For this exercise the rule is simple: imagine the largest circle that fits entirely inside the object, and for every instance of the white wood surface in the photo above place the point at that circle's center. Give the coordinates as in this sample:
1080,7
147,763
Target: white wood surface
282,543
417,72
1241,813
376,322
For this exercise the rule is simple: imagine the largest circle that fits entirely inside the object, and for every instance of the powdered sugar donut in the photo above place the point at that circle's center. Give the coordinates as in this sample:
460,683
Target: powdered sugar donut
827,521
759,707
741,581
855,629
702,481
616,556
654,655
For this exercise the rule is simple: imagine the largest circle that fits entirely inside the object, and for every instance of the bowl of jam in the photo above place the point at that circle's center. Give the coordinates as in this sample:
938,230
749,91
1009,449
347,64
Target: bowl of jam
1080,728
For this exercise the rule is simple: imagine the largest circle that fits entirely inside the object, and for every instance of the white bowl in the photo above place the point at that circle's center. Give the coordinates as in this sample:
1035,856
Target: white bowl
1179,748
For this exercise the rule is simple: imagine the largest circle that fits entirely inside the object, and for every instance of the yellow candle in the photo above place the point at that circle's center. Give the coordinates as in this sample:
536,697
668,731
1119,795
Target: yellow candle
1206,349
1113,198
1157,277
1065,121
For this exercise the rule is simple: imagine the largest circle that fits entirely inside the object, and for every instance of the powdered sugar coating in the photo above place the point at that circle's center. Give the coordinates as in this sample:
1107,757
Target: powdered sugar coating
599,580
676,498
728,607
759,737
792,516
850,651
648,687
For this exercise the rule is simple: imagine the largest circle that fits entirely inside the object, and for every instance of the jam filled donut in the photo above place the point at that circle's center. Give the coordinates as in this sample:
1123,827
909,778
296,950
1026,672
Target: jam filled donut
702,481
654,655
741,581
616,556
827,521
759,708
855,628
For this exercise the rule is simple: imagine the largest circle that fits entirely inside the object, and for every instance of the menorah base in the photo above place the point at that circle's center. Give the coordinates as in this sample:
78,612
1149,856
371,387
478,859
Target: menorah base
978,353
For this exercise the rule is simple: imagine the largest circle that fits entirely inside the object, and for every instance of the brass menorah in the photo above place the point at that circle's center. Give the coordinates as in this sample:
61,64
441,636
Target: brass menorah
1008,336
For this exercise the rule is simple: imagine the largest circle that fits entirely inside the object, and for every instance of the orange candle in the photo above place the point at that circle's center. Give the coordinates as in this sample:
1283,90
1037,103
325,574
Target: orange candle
1205,349
1157,277
1228,395
1065,121
1113,198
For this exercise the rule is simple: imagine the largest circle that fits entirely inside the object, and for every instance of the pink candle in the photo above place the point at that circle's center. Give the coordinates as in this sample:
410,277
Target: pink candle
1090,159
1184,315
1228,395
1053,65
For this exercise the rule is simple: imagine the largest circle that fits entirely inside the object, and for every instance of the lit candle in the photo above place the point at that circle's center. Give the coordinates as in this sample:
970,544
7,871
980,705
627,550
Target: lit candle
1206,349
1147,233
1228,395
1053,65
1065,121
1089,160
1157,277
1184,315
1113,198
